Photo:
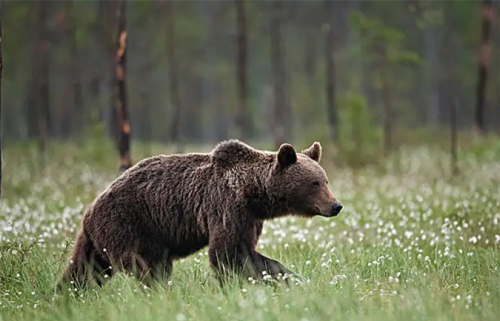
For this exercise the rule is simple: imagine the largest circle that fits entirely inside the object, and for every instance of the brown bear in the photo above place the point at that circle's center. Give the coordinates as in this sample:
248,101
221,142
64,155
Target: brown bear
168,207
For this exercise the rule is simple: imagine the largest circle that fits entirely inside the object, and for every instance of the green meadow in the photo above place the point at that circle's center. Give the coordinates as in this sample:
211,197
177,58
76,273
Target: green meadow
412,243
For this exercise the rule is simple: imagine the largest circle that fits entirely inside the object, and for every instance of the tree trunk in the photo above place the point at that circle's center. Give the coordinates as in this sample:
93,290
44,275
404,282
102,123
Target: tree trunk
496,36
432,83
387,97
219,119
175,133
121,103
449,86
429,93
109,15
387,100
41,59
1,70
484,57
330,74
367,67
77,114
279,114
143,124
453,135
310,56
242,119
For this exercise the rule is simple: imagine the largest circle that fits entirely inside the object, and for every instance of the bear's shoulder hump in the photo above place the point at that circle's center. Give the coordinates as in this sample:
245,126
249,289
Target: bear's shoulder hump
233,151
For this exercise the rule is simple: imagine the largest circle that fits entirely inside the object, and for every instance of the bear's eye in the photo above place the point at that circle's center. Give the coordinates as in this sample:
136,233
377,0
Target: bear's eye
316,183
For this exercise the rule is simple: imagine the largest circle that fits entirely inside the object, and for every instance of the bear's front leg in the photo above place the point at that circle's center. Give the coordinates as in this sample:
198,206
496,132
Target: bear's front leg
228,258
232,249
242,259
271,267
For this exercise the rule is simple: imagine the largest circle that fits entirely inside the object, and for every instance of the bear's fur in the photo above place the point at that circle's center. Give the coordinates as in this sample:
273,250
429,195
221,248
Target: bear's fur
168,207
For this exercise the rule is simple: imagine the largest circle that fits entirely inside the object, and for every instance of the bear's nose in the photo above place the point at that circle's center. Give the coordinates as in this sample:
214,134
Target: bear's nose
336,208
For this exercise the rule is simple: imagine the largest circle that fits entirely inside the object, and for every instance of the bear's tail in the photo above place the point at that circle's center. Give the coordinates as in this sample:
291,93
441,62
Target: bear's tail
77,271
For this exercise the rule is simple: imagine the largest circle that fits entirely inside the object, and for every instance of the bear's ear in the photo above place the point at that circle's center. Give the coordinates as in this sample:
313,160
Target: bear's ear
314,151
286,155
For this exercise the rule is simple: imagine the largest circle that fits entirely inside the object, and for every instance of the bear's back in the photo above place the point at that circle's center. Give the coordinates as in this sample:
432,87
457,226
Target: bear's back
162,195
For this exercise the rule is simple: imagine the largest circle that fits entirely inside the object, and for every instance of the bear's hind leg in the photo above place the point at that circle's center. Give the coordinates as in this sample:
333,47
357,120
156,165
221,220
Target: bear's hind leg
102,269
149,266
86,265
159,272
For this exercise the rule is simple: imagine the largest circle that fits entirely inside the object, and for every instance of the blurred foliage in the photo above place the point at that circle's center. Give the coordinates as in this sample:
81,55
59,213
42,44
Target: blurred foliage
206,51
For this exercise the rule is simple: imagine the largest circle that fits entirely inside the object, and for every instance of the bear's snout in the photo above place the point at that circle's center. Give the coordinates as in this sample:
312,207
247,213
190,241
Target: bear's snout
336,208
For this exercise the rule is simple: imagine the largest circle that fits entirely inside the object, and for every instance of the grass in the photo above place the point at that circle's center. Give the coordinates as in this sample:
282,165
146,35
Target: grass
412,243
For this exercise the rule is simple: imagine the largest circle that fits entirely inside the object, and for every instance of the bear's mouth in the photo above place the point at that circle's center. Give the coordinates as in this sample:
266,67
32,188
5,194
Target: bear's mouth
319,212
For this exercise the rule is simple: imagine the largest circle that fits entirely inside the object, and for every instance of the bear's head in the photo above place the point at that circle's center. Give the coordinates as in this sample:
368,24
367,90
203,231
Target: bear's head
300,184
